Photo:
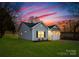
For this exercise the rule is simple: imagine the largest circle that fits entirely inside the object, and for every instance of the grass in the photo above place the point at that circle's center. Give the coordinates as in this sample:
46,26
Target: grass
11,46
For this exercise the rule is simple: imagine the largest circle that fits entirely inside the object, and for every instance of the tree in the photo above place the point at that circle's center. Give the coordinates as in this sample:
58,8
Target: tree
5,21
73,9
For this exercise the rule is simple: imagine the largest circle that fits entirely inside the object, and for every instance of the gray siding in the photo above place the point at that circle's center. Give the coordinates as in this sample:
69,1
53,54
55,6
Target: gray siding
39,27
26,32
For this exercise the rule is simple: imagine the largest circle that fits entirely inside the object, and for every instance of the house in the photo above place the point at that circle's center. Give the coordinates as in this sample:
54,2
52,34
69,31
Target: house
33,31
53,32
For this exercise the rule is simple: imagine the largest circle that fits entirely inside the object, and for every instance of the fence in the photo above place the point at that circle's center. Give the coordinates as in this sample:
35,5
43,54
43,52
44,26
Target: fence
70,35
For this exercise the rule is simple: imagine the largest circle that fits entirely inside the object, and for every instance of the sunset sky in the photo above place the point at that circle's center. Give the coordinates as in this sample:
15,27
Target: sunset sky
23,10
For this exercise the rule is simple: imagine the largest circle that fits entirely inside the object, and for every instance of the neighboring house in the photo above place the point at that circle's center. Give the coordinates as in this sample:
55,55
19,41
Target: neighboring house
33,31
53,32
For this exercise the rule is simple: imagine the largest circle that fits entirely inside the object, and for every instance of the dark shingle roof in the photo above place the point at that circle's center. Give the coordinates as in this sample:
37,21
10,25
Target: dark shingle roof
50,27
30,24
54,27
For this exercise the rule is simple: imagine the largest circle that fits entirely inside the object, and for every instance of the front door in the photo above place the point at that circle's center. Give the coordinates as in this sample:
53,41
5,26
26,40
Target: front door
40,35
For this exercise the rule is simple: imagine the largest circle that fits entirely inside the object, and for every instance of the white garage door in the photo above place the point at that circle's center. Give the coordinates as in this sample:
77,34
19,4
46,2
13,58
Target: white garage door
55,35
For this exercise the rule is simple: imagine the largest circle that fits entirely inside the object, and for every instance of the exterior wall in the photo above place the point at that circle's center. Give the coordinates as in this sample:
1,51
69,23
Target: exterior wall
50,35
25,32
39,27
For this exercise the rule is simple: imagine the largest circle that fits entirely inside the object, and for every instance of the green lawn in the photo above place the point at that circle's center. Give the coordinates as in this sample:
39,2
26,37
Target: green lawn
10,45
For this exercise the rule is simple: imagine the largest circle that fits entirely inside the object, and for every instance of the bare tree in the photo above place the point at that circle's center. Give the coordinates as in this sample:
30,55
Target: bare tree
74,10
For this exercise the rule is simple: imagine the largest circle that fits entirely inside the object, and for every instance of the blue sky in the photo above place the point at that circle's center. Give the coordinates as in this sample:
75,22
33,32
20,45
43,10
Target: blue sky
23,10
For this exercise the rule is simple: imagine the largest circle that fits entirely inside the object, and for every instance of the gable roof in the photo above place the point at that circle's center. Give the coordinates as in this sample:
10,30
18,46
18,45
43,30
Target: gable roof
30,24
43,24
54,27
50,27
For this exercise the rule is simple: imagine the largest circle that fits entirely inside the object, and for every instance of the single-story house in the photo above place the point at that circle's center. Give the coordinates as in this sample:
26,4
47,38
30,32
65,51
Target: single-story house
33,31
38,31
53,32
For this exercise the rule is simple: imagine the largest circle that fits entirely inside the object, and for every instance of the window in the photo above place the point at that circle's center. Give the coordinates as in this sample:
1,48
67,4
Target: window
25,31
40,34
21,33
